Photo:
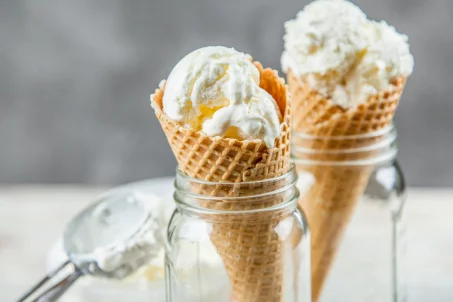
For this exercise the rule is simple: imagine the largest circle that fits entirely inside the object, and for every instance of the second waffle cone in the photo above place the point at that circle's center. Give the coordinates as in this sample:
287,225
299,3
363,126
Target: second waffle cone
330,202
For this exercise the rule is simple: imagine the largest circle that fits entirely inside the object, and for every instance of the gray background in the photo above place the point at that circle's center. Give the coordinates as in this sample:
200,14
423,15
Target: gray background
75,79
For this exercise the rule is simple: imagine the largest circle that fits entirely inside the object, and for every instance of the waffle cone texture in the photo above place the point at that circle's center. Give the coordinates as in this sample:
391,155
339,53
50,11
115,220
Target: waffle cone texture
329,203
248,244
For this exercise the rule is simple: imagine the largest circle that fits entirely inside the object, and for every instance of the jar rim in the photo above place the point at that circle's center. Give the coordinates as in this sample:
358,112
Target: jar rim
287,186
386,130
351,150
382,158
191,201
378,145
290,202
183,175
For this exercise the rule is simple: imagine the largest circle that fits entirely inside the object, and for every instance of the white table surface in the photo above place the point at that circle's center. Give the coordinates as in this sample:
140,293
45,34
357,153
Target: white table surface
32,217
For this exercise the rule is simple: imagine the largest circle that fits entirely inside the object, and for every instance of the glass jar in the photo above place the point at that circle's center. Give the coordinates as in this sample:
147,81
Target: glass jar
353,193
242,242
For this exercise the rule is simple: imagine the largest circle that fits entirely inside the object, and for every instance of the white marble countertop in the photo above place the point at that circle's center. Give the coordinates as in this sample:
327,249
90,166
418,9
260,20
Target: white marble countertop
32,217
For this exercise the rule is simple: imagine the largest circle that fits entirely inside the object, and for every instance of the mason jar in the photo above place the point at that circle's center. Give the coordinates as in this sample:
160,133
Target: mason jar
353,195
242,242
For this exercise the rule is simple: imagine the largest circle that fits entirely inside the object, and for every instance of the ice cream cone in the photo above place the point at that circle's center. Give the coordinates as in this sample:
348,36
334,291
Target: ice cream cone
248,245
330,202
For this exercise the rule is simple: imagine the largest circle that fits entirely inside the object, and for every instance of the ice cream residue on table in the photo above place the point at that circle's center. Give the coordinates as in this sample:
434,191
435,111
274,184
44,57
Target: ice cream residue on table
343,55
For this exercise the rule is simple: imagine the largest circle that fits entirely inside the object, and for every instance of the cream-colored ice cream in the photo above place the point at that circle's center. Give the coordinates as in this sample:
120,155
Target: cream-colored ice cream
343,55
216,90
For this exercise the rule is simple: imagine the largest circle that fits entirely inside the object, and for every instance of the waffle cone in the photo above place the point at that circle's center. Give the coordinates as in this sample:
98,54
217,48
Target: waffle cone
248,245
330,202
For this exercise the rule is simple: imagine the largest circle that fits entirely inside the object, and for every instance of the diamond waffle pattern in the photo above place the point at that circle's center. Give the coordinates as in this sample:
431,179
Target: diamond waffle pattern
319,116
248,244
330,202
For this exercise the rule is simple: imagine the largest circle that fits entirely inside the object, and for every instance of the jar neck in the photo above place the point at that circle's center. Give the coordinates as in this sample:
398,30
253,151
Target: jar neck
363,149
220,198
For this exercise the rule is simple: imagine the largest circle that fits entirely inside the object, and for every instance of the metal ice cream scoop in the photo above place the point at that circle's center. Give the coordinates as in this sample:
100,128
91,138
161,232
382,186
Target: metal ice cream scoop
111,238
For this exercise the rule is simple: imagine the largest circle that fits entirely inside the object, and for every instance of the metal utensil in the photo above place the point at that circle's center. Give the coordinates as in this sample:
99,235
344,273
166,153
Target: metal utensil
116,223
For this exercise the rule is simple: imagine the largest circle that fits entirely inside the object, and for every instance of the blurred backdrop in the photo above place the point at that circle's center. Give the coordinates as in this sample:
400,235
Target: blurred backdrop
75,79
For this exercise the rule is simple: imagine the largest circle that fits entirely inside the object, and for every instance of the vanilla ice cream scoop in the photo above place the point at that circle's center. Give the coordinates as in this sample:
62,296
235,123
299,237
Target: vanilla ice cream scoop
216,90
334,48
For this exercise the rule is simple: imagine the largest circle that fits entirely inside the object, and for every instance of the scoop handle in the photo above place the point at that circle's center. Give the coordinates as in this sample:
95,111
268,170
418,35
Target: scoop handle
55,291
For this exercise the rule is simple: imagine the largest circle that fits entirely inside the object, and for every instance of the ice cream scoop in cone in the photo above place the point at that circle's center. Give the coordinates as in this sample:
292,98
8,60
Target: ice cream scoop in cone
248,245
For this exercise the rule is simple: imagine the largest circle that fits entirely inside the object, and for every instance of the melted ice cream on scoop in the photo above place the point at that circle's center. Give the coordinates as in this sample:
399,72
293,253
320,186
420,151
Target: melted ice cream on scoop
114,237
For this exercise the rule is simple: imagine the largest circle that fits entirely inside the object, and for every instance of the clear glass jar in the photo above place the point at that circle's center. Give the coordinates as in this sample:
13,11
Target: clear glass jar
242,242
353,192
